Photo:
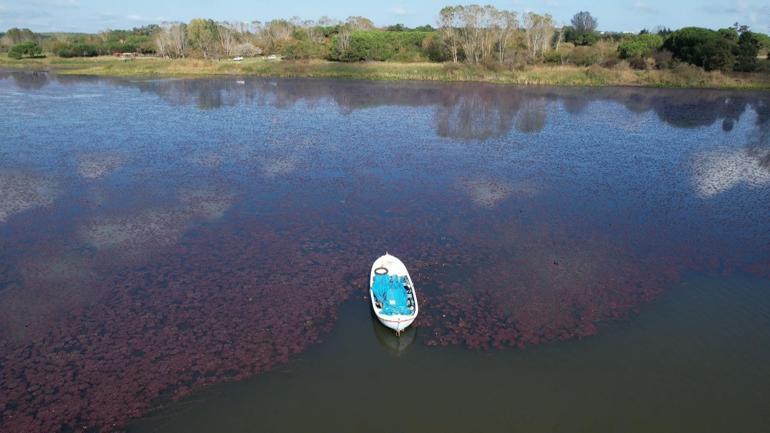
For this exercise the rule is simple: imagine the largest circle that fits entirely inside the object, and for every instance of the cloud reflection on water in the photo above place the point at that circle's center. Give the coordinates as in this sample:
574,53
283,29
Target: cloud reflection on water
21,191
717,172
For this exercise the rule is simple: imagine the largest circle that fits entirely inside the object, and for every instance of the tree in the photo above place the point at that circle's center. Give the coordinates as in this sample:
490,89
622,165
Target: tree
178,39
746,52
171,40
470,40
203,36
701,47
730,34
508,24
583,29
228,37
448,26
583,22
162,43
16,36
276,34
359,23
539,31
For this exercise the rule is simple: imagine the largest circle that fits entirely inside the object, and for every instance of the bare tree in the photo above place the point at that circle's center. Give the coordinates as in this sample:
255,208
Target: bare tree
583,22
178,38
506,24
448,26
228,37
470,17
325,21
479,30
539,32
275,34
171,39
162,42
343,38
359,23
488,31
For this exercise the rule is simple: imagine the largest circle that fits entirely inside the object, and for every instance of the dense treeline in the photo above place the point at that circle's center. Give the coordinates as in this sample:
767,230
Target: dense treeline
473,34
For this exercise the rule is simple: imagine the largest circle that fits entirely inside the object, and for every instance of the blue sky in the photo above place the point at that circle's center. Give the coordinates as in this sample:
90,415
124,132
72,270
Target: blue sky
622,15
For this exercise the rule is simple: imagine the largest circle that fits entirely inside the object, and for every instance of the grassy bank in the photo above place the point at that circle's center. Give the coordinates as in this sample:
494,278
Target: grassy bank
684,76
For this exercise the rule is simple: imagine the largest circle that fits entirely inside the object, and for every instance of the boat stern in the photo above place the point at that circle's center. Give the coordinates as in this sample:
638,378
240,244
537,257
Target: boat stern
396,322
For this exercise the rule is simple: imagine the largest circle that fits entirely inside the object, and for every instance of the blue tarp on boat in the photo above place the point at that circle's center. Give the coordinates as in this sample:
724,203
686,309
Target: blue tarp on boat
390,291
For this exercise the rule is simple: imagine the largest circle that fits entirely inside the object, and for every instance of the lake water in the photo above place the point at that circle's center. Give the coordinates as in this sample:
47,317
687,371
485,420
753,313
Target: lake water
192,255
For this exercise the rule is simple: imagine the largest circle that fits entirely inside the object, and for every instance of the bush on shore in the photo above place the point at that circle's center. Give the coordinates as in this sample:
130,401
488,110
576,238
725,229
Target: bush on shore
78,50
29,49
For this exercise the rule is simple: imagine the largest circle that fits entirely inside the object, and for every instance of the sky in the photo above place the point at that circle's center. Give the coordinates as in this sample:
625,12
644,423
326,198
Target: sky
613,15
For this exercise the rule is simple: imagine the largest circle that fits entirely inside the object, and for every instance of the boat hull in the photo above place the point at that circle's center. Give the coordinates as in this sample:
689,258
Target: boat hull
397,325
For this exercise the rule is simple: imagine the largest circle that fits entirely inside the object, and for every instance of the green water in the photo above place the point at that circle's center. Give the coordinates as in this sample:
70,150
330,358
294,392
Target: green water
694,360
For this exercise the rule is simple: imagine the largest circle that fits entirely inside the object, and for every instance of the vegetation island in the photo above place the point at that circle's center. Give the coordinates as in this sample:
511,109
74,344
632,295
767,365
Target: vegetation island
468,43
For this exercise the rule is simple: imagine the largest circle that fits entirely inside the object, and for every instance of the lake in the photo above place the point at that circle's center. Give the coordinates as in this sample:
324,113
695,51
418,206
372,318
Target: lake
185,255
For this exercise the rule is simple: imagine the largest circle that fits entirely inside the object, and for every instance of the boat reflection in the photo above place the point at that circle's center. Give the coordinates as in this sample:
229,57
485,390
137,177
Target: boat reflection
389,340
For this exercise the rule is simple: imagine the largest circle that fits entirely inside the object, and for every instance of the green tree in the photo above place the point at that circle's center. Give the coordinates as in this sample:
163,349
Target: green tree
203,36
746,52
701,47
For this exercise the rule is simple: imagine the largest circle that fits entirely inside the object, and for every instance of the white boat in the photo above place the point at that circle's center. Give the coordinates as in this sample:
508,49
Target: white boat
391,290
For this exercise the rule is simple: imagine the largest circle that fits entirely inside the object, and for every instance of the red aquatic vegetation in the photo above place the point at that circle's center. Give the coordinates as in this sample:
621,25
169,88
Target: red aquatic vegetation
195,316
235,299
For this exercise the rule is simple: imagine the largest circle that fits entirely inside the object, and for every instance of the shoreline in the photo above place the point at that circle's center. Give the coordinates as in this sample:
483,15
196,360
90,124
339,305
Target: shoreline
546,75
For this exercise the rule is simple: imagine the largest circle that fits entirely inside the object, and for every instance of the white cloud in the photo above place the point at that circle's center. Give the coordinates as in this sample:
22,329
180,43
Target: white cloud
54,3
399,10
642,6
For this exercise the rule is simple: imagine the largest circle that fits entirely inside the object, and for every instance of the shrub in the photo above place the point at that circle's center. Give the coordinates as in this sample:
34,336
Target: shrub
622,65
611,63
640,46
585,56
597,73
247,49
663,59
638,63
585,39
303,49
553,56
379,45
29,49
577,37
689,74
79,50
434,48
